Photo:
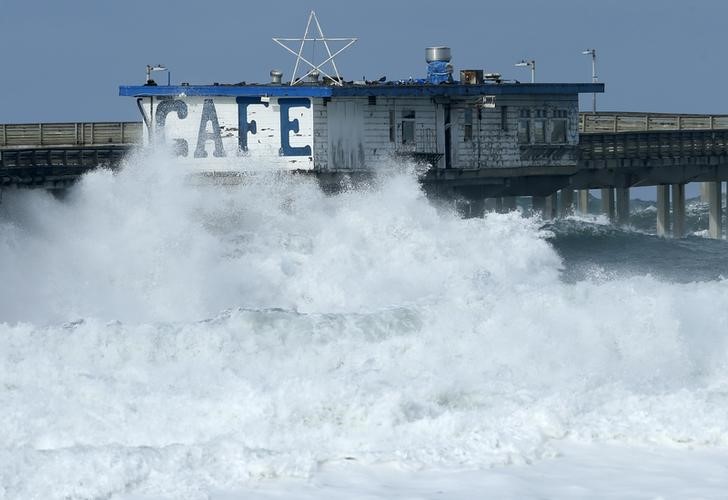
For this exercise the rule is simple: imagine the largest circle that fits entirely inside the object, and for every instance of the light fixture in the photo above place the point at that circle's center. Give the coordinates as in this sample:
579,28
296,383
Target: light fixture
151,68
593,54
531,63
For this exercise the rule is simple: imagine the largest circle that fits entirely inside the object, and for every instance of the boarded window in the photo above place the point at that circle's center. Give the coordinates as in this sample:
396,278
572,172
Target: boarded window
392,127
539,131
558,127
524,126
558,131
504,118
524,131
468,125
408,127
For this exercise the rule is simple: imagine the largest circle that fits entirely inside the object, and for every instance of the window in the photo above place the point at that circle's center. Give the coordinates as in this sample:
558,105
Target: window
524,126
539,131
539,126
558,127
504,118
408,127
468,124
392,127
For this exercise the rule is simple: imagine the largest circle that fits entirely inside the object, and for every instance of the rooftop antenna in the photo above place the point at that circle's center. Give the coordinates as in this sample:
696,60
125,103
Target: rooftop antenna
313,38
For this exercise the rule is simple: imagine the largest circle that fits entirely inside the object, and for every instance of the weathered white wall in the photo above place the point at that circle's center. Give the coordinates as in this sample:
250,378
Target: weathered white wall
494,147
263,147
354,132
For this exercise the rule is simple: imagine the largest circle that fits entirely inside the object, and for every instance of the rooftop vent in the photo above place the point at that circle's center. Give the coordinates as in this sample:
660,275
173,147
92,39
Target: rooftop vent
439,69
435,54
313,76
276,76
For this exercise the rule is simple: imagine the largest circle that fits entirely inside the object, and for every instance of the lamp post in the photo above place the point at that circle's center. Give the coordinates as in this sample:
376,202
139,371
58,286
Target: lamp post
593,54
158,67
528,64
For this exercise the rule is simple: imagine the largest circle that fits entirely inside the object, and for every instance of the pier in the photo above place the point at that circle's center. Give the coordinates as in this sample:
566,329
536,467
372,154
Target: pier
615,152
54,155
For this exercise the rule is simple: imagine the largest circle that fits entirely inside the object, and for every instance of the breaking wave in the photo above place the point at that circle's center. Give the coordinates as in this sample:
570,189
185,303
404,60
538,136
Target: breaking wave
167,338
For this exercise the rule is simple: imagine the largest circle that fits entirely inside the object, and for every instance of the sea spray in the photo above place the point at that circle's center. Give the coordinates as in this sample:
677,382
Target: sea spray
168,338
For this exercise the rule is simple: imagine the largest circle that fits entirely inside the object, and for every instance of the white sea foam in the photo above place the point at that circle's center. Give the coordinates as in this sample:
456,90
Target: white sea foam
170,339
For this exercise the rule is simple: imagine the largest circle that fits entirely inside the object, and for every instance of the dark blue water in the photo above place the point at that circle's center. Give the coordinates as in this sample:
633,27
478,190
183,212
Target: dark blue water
592,250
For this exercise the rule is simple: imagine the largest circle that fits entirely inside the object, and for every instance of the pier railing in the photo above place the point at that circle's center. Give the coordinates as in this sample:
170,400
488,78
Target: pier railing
36,135
655,145
647,122
24,135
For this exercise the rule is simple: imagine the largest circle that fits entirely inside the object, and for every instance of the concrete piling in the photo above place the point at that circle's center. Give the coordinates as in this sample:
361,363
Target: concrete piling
678,210
608,203
622,206
583,201
538,204
551,208
704,192
715,210
508,204
566,202
663,210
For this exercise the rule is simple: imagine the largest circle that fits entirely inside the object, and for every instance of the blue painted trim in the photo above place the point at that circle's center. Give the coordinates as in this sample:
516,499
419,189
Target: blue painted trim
415,90
386,90
224,90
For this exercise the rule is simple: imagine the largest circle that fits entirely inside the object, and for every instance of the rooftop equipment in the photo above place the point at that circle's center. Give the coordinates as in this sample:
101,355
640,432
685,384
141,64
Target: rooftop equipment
495,77
439,69
313,76
471,76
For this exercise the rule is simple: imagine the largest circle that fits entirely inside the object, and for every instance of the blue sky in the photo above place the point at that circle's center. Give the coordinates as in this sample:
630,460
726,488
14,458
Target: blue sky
64,61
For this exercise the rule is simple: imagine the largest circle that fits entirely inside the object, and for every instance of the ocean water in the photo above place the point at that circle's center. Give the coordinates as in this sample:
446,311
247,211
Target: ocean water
161,338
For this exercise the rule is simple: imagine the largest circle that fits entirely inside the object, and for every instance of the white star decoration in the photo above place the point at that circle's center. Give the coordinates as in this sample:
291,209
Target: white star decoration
321,38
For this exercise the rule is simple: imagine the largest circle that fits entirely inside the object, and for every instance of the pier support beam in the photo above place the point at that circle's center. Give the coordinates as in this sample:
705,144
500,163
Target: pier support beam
715,210
678,210
551,208
622,206
538,204
704,192
583,201
663,210
608,203
508,204
475,208
566,202
491,204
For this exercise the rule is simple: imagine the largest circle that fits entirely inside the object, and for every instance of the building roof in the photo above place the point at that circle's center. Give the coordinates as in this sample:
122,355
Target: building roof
389,89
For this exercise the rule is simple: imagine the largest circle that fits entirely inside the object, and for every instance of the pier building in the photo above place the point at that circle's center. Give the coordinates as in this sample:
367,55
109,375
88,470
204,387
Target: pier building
325,126
480,139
